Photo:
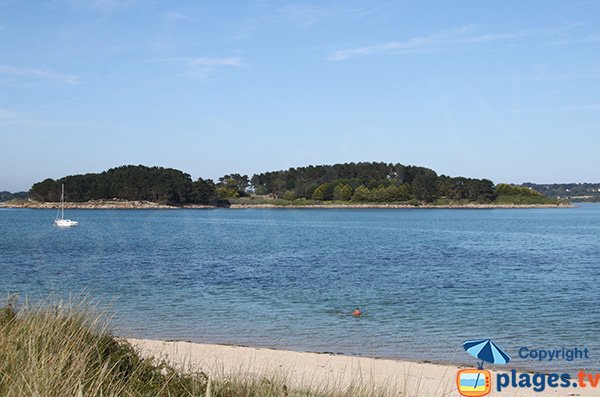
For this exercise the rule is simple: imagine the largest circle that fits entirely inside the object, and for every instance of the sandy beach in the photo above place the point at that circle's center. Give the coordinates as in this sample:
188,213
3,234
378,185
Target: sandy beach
309,370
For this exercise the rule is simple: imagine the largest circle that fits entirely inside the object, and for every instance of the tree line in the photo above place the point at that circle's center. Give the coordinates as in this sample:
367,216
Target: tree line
571,191
156,184
5,196
370,182
358,182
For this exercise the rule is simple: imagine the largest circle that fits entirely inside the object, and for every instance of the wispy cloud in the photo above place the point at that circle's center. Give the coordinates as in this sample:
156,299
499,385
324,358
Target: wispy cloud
376,9
175,16
203,61
543,72
572,108
200,68
427,43
12,118
35,73
102,5
307,15
304,15
592,38
462,37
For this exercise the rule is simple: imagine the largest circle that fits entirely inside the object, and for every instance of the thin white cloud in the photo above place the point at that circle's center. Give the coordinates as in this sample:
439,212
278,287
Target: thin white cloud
592,38
35,73
376,9
232,61
490,37
199,68
542,74
102,5
427,43
573,108
175,16
304,15
204,61
12,118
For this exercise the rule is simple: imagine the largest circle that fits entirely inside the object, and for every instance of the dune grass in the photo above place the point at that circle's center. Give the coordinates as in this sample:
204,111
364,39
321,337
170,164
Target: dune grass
66,349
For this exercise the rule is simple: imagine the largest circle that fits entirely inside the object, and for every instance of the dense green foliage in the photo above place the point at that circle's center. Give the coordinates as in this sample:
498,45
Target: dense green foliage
370,182
5,196
511,194
570,191
156,184
233,185
512,190
350,182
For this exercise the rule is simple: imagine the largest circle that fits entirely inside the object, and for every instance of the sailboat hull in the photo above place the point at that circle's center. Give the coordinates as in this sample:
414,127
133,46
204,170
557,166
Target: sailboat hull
65,223
62,222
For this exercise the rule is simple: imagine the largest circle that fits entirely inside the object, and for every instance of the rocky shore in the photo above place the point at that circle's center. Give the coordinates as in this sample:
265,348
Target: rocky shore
375,205
121,204
95,204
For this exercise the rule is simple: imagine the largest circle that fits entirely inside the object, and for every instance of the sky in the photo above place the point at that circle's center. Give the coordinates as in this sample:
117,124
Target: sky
505,90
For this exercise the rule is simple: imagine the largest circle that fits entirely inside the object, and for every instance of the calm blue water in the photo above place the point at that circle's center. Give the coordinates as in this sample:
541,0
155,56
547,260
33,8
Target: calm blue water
427,279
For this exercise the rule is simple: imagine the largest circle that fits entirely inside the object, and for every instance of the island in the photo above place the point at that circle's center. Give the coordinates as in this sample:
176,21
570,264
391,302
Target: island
348,185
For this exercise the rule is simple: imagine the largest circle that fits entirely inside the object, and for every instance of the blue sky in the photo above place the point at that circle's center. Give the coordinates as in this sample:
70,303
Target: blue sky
507,90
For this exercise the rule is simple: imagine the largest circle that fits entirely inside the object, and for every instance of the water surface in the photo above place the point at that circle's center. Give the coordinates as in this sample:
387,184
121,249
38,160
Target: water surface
427,279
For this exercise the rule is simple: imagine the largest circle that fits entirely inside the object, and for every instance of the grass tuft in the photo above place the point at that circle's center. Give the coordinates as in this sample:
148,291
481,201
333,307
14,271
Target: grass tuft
66,349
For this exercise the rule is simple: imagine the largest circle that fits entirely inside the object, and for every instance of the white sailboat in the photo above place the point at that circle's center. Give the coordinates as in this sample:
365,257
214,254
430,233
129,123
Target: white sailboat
62,222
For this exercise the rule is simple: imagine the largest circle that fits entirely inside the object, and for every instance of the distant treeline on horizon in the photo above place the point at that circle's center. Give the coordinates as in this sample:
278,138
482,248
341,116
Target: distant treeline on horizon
569,191
356,182
5,196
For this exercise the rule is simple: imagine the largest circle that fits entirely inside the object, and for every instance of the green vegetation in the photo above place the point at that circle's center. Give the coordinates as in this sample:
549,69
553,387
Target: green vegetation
58,350
354,183
510,194
341,182
156,184
266,200
233,185
384,183
588,192
7,196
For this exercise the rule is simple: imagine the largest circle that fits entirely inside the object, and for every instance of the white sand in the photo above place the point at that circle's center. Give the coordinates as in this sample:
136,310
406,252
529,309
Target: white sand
326,370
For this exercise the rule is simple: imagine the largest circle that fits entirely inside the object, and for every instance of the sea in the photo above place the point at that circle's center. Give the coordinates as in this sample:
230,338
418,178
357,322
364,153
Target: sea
426,280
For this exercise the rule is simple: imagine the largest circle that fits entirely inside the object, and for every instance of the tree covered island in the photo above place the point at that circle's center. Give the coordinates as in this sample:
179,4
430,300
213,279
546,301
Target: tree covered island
339,184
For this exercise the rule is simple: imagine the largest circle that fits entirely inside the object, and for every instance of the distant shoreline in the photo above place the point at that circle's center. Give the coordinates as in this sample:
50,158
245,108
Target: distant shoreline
111,204
404,206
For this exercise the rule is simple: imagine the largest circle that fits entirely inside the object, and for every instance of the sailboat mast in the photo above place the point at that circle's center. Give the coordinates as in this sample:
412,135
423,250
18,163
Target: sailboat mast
62,222
62,202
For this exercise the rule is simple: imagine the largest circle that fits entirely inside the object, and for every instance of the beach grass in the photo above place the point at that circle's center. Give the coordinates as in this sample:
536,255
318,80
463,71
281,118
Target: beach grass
66,349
